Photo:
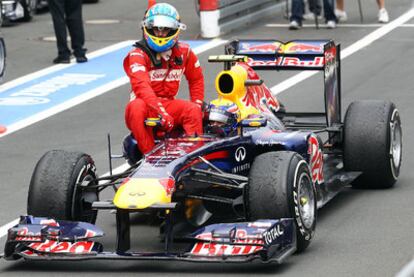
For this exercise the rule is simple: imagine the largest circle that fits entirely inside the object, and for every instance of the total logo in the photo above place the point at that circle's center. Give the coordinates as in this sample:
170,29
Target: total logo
240,154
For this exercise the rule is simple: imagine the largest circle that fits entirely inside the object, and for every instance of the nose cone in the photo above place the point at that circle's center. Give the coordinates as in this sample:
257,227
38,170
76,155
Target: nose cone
139,193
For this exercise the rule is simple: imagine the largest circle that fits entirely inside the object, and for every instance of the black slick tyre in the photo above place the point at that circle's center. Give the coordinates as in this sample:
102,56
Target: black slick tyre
62,187
280,186
373,143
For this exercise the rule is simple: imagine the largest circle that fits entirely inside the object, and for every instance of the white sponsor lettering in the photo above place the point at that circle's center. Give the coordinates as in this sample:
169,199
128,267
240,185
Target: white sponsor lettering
266,142
240,168
273,234
158,74
175,75
135,67
161,74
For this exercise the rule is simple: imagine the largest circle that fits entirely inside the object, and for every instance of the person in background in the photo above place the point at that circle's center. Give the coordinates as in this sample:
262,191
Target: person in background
155,69
340,11
68,14
382,13
298,11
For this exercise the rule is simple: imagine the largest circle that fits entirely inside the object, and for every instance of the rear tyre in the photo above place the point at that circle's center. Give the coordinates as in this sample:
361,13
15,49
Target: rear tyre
280,186
61,187
373,143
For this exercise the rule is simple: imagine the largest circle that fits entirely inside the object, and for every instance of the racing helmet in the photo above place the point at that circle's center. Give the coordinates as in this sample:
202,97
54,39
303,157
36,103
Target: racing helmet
222,117
161,17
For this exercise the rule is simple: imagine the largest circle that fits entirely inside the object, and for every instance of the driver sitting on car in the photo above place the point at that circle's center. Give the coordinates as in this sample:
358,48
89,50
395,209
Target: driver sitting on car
155,68
222,118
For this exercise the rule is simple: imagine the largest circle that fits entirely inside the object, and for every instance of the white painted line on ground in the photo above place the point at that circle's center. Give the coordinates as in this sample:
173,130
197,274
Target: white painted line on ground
6,227
87,95
360,44
407,270
339,25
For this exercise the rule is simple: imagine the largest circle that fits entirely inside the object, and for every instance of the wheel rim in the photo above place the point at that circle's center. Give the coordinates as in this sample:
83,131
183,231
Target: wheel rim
306,201
395,143
83,197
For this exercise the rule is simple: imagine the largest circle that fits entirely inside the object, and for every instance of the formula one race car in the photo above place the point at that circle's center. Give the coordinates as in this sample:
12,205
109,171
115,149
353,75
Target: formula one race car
251,194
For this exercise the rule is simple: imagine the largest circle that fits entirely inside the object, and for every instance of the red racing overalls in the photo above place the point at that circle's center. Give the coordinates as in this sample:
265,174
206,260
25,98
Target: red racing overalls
154,85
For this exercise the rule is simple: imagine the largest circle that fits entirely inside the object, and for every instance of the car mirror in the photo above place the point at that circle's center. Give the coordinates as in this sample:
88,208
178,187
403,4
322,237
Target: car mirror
253,122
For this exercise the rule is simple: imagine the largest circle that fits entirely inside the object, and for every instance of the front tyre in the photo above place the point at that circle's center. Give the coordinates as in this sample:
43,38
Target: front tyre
281,186
63,186
373,143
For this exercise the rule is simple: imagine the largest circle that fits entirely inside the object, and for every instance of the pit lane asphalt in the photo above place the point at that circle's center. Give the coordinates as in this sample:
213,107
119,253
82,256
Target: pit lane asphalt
360,233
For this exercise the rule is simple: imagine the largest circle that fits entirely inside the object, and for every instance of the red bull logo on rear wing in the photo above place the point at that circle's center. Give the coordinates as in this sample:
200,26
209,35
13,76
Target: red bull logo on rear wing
293,55
321,55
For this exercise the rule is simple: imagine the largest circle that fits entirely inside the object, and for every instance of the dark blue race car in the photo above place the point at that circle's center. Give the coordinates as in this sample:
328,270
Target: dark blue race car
250,193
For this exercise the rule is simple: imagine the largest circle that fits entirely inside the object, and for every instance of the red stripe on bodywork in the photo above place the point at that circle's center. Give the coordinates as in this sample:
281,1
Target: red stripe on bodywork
217,155
208,157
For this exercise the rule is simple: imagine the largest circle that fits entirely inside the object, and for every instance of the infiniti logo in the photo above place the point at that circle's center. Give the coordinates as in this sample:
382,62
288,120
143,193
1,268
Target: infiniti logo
240,154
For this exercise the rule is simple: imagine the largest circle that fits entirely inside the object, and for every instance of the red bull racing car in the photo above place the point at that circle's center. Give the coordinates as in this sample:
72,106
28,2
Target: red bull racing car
251,194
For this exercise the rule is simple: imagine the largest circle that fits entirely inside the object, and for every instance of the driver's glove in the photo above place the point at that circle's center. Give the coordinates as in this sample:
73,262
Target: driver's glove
167,122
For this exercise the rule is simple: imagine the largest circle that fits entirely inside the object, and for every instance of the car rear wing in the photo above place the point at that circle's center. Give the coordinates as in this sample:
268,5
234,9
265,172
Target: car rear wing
320,55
